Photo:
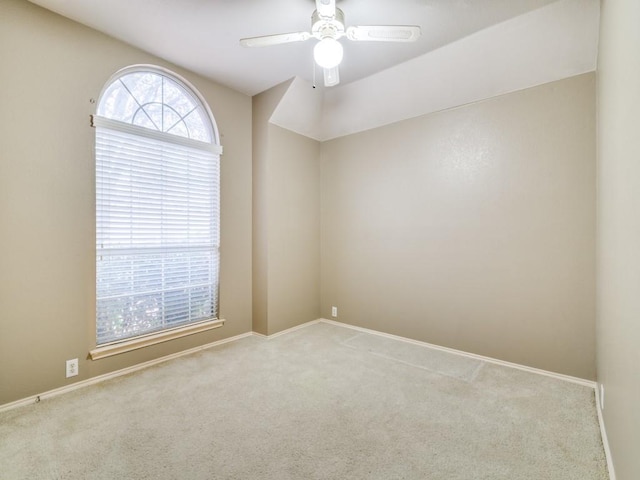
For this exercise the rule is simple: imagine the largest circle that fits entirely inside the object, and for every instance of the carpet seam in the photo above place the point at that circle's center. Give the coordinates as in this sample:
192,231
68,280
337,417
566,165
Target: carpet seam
538,371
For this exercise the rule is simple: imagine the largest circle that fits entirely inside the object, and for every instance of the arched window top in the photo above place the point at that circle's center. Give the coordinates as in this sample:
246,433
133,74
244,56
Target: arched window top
151,98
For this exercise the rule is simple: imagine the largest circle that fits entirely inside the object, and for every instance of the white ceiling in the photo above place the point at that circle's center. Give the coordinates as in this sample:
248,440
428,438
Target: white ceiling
202,35
470,50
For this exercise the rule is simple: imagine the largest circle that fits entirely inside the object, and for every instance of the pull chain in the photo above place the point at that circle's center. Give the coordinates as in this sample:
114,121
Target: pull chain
314,72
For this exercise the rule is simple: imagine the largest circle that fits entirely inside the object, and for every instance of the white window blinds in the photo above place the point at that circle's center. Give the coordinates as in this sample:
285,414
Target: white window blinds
157,230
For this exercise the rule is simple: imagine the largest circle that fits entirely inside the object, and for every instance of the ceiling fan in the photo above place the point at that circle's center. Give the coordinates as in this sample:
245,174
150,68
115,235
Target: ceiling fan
327,26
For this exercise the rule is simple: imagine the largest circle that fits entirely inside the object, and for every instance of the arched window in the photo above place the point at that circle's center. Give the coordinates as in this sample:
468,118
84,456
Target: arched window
157,206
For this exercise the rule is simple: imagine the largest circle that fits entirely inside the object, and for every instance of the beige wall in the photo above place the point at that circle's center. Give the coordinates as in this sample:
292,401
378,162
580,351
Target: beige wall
471,228
286,221
262,107
294,229
618,324
50,69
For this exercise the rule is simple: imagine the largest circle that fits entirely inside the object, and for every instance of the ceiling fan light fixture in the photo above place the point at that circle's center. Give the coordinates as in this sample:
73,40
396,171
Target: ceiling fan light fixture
328,52
328,26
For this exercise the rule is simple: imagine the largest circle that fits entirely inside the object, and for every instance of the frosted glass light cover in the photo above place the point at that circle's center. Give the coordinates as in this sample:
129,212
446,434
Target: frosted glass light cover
328,53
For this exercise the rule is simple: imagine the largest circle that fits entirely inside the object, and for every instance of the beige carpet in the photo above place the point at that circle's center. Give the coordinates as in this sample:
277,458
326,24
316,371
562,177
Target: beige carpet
322,402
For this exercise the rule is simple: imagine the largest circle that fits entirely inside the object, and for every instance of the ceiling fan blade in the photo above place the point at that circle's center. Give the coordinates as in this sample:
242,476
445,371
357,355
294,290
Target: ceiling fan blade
331,77
326,8
277,39
384,33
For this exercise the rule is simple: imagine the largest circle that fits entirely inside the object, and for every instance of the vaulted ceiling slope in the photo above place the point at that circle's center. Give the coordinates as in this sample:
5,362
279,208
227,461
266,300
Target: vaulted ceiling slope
554,42
469,50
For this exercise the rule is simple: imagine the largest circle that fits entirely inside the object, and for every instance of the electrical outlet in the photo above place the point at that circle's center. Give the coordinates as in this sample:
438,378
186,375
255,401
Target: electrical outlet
334,312
601,397
72,368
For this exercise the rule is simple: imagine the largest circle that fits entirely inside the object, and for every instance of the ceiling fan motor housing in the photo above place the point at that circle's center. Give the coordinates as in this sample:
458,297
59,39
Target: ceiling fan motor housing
323,27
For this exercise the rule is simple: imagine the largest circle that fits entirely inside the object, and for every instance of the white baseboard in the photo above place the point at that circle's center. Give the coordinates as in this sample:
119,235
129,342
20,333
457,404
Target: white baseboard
101,378
559,376
124,371
292,329
603,434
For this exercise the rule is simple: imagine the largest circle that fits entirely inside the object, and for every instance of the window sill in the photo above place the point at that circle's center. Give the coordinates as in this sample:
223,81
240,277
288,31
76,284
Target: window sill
116,348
